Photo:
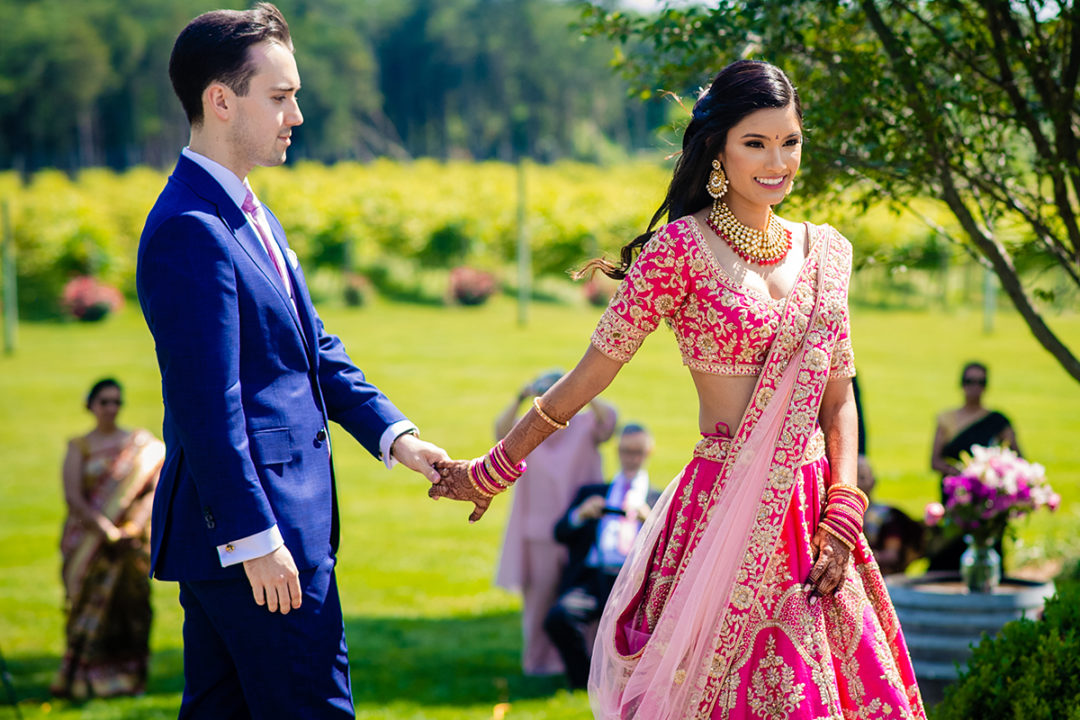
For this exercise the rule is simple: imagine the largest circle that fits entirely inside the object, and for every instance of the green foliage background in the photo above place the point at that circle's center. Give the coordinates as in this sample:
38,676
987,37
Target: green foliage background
85,82
403,223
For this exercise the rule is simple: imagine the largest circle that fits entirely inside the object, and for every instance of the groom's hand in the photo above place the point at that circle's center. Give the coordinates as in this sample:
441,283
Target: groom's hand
455,484
275,581
418,455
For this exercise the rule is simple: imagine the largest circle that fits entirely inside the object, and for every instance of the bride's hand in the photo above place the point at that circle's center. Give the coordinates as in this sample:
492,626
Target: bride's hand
830,561
454,483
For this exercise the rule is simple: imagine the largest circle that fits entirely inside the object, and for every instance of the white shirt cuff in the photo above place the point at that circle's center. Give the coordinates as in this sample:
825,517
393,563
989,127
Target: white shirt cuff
389,436
251,547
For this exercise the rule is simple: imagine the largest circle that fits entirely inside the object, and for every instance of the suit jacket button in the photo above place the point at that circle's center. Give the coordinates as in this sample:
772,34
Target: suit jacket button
321,435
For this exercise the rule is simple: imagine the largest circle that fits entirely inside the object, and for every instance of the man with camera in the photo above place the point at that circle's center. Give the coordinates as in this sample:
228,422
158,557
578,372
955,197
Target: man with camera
598,529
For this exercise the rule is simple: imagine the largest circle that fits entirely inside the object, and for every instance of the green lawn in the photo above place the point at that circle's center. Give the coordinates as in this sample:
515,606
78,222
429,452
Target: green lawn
429,635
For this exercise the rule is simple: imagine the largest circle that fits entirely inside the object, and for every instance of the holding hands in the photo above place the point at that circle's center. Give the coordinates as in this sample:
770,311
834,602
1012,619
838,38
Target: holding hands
418,455
454,483
478,480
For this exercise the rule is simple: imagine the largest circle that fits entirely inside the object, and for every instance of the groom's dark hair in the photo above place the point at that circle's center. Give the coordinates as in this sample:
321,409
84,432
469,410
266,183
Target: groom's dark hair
214,48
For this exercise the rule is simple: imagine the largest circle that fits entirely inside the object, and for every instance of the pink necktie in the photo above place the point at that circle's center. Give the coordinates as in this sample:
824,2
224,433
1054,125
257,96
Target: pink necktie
252,209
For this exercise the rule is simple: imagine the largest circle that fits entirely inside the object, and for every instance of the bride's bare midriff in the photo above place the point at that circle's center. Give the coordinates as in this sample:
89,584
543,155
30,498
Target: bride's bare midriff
722,398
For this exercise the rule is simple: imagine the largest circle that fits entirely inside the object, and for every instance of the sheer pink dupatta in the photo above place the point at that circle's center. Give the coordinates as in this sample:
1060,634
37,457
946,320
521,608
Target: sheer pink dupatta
666,677
654,684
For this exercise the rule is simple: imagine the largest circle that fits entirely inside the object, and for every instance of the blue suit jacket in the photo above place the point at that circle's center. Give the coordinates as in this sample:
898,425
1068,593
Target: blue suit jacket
248,385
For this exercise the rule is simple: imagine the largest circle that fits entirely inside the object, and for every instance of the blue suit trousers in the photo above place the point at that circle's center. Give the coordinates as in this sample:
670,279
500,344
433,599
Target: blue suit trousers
266,666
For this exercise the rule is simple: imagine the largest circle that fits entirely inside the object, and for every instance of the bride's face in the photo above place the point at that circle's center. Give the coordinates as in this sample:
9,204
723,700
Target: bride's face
761,157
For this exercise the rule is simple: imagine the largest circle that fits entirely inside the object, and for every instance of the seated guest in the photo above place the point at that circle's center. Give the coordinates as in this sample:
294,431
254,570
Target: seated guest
895,538
598,529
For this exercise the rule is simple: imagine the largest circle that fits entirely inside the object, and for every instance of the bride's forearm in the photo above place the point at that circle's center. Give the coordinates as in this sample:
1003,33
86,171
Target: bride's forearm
593,373
840,424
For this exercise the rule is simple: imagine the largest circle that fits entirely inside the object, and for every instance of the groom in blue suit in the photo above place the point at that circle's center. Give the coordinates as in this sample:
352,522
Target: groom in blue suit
245,516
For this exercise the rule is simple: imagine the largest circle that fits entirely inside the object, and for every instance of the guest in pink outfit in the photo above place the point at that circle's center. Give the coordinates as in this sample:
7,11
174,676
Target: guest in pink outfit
532,562
750,591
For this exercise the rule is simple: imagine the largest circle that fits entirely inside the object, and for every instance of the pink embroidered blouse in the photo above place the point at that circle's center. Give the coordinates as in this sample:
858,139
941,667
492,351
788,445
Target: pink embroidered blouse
722,327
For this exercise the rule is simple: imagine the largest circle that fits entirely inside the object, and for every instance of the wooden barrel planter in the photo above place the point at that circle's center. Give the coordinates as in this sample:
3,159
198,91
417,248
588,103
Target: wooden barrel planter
941,620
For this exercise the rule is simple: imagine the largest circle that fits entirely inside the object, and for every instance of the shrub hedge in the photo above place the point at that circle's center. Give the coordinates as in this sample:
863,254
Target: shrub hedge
1030,671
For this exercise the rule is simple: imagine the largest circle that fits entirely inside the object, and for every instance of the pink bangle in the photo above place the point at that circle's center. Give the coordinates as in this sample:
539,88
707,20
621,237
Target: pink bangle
832,531
848,491
844,505
476,482
847,524
502,465
494,473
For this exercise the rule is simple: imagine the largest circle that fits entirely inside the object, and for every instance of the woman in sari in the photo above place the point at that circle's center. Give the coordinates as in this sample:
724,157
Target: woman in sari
971,424
109,477
958,430
750,592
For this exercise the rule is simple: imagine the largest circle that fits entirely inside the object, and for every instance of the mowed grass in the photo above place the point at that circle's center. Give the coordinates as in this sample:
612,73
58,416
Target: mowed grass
429,636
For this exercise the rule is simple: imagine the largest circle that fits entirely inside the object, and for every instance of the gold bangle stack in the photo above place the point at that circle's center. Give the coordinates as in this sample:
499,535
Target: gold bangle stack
844,511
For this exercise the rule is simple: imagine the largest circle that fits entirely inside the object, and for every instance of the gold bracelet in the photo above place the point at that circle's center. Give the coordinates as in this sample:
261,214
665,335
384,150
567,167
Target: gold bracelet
547,418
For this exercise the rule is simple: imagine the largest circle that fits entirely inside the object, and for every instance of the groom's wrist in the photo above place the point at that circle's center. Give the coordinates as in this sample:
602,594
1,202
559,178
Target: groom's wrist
393,445
389,437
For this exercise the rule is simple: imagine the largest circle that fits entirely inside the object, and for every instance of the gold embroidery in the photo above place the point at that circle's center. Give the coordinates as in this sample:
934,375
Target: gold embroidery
843,359
721,327
774,694
728,633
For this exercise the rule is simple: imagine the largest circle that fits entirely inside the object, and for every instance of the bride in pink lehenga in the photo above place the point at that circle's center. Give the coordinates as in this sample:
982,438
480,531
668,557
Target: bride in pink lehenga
750,592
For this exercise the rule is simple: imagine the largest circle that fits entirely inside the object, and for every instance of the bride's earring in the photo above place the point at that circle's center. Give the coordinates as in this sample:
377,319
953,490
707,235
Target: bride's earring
718,181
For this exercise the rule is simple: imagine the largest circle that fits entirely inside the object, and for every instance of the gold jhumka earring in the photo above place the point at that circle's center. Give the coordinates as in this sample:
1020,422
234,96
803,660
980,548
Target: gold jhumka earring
718,182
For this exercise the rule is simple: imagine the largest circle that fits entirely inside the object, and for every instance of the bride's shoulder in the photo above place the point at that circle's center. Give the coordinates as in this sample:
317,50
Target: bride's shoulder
829,233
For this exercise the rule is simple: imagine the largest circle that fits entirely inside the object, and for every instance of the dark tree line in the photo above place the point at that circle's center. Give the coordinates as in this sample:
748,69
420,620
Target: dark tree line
84,82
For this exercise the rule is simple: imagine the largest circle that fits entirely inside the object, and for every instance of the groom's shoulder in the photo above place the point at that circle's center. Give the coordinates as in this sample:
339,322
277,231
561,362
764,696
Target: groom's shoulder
179,204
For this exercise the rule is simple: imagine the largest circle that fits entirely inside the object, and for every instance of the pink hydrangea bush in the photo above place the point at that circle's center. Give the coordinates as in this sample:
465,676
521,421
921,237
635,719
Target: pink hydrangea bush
84,298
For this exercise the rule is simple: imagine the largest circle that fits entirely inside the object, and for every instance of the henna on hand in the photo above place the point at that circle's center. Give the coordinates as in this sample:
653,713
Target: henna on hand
454,483
831,558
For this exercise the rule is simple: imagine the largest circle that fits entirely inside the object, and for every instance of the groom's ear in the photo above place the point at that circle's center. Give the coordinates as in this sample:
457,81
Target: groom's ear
218,101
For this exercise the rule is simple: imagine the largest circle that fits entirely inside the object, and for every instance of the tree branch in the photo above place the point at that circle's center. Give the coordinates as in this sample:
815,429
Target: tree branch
1003,267
989,246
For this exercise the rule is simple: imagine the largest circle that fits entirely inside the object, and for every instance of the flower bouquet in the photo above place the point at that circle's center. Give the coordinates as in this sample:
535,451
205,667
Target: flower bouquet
995,486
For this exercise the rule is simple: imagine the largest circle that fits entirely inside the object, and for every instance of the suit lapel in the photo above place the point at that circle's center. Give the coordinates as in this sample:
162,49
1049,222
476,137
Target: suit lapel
205,186
302,297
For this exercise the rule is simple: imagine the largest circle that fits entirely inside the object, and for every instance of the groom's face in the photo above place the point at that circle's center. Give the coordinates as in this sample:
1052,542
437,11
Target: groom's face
269,111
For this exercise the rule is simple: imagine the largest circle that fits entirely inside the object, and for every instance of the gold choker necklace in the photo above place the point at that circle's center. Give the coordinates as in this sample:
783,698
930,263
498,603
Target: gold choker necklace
762,247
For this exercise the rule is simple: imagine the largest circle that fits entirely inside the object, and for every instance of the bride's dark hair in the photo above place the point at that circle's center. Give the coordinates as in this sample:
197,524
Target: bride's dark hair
738,90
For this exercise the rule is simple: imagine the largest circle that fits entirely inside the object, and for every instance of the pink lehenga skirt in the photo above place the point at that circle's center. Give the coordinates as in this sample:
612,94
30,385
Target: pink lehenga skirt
843,658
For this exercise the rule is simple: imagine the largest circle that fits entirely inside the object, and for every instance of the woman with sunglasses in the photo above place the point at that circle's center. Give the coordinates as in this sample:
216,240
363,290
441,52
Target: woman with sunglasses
968,425
109,478
959,430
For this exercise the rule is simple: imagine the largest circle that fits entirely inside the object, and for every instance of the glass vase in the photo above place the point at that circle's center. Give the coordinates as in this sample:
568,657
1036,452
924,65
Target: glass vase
980,565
